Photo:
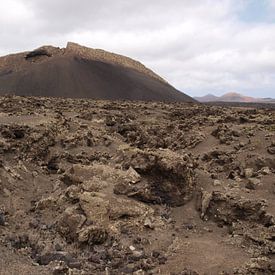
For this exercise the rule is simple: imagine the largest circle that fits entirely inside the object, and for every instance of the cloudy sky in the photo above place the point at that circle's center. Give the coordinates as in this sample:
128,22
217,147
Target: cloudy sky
202,46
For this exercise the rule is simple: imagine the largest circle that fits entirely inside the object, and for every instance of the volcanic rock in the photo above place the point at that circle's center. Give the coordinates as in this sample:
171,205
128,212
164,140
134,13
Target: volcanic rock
120,187
2,219
228,208
168,177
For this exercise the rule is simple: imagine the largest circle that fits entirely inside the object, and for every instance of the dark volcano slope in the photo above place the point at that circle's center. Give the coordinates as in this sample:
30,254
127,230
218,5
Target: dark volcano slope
77,76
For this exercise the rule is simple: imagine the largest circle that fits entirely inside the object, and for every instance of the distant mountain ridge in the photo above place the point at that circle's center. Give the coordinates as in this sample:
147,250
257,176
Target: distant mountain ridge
233,97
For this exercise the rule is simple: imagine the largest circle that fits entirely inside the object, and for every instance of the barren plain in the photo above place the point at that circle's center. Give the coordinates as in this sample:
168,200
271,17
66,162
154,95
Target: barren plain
120,187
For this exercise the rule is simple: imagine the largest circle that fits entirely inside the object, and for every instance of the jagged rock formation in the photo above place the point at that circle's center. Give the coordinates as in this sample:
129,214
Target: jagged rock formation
112,187
81,72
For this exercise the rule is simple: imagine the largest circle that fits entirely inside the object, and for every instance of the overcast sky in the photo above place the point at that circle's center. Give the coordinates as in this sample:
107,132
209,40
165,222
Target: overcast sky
200,47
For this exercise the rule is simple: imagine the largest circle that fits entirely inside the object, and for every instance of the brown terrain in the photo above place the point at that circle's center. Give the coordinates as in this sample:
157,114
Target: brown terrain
132,187
80,72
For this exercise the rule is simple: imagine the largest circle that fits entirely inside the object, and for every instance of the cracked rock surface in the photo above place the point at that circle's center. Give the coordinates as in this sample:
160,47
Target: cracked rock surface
109,187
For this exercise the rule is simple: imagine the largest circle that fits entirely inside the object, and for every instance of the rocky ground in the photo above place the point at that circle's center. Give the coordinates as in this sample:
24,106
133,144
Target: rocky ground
98,187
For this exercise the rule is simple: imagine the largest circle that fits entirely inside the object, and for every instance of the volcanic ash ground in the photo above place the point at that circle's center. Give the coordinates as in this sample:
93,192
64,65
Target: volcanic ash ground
102,187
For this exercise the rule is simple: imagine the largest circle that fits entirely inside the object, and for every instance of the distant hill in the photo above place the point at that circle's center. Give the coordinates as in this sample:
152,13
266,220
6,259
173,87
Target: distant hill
233,97
207,98
80,72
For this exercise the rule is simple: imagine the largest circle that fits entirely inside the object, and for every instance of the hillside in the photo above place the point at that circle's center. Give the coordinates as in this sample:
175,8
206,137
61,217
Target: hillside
81,72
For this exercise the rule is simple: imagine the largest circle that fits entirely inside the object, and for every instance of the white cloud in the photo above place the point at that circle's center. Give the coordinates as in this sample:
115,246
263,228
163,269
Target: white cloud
199,46
272,3
13,12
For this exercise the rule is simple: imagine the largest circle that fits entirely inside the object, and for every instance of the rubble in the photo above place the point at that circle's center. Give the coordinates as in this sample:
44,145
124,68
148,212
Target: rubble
107,187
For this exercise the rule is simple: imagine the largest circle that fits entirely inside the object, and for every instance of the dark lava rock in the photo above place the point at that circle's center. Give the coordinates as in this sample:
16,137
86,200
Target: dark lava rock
46,258
19,241
36,53
271,149
167,177
2,219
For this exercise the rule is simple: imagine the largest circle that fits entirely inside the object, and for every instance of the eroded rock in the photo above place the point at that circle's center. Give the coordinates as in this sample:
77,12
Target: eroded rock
70,222
227,208
92,235
166,177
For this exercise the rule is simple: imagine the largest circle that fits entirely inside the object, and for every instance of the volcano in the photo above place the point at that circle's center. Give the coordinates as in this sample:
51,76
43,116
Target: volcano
80,72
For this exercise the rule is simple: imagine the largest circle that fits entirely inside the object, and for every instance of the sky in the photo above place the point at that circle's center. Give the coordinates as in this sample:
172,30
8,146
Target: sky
200,47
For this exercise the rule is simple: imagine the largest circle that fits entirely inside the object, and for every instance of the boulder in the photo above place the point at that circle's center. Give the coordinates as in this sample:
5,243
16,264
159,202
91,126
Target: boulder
166,177
70,222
